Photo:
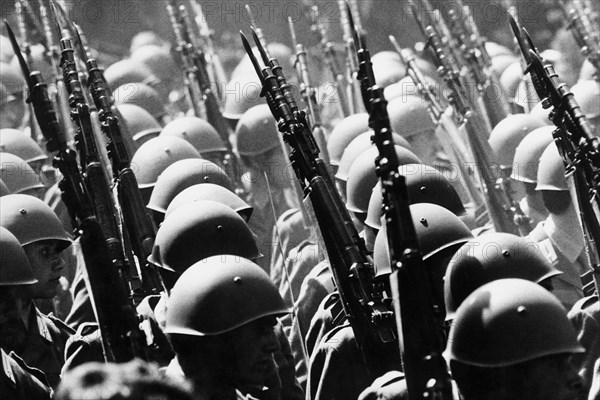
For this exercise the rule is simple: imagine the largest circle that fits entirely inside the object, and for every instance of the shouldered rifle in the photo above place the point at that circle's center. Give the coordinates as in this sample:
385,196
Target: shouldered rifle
585,34
352,91
371,321
331,61
116,316
575,140
502,210
139,227
421,349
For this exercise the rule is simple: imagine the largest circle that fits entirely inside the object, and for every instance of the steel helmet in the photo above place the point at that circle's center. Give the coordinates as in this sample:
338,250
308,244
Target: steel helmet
140,95
343,133
437,230
145,38
495,255
508,133
357,146
16,142
424,184
158,60
528,153
587,95
212,192
182,174
154,156
12,79
3,189
14,264
388,68
510,78
31,220
256,132
138,122
507,322
551,170
407,87
129,71
242,93
17,174
501,62
198,230
362,177
219,294
541,113
409,116
197,132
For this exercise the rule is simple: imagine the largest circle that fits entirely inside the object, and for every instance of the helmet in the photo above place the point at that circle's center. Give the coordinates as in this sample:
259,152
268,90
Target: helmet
409,116
387,68
141,95
362,177
182,174
541,113
407,87
158,60
495,49
510,78
508,133
437,229
14,264
256,132
587,94
196,131
17,174
219,294
357,146
154,156
31,220
12,79
199,230
343,133
501,62
551,170
212,192
424,184
528,153
507,322
145,38
129,71
241,94
3,189
138,122
489,257
16,142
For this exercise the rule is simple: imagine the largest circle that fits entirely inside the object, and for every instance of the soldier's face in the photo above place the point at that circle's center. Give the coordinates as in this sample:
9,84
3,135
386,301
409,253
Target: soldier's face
254,344
46,265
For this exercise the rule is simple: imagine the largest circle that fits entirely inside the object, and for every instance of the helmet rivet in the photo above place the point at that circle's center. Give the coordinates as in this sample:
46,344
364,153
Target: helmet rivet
424,222
219,228
423,189
505,253
206,178
23,211
521,309
237,280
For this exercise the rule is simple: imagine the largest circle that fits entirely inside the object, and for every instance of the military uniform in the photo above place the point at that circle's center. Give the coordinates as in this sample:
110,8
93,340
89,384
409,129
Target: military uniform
585,317
18,381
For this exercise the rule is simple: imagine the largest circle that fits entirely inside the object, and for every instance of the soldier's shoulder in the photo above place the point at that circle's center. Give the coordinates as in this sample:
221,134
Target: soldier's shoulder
23,381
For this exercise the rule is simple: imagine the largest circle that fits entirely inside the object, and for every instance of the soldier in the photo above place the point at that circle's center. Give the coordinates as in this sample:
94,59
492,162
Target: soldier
560,236
43,238
18,143
511,339
242,92
129,71
268,179
525,169
226,354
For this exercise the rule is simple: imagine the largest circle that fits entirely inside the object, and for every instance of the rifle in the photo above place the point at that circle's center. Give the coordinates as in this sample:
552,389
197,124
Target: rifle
583,31
575,140
371,321
116,316
351,62
504,212
330,58
422,345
